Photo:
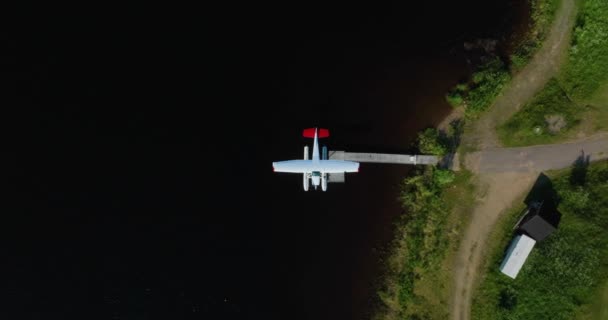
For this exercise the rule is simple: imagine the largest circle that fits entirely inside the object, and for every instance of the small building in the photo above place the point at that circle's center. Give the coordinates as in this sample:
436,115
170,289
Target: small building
518,252
540,221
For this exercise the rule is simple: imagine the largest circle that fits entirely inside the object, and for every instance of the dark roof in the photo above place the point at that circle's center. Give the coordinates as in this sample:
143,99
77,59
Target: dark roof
541,221
537,228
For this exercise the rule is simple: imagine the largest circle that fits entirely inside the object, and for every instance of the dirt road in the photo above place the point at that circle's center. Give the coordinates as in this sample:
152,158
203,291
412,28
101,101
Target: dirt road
505,174
501,190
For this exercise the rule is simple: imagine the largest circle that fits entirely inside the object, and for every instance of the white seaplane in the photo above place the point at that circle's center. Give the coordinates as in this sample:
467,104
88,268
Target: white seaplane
318,168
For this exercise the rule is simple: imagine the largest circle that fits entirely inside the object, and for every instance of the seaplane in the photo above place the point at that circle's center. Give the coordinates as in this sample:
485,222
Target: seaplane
315,170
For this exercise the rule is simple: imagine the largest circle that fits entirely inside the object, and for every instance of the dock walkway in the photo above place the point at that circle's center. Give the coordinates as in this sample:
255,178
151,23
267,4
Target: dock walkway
384,158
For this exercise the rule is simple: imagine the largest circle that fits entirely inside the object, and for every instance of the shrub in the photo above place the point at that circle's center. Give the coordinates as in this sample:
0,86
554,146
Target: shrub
487,84
480,92
442,177
454,98
430,141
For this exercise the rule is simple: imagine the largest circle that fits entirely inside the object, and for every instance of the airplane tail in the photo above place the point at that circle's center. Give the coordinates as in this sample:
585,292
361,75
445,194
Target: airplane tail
310,133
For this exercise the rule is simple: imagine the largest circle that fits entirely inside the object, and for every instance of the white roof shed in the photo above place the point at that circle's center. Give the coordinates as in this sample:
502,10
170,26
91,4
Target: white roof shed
516,255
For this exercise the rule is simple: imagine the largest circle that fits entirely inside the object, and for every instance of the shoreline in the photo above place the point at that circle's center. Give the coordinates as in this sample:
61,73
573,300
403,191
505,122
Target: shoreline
488,187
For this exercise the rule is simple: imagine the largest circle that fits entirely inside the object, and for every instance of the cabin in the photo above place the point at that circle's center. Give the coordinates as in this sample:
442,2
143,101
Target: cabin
539,221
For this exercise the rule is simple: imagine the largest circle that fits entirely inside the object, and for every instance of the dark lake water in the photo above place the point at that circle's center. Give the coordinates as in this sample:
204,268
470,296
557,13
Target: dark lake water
140,179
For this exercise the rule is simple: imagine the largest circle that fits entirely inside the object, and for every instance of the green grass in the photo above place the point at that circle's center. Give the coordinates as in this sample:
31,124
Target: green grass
584,82
598,308
586,70
598,106
530,126
417,277
564,276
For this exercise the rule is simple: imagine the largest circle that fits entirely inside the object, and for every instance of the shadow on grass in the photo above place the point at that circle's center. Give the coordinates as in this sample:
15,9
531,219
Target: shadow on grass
578,175
542,200
542,192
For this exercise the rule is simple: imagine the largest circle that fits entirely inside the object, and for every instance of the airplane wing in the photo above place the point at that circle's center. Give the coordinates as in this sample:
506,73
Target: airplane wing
338,166
327,166
293,166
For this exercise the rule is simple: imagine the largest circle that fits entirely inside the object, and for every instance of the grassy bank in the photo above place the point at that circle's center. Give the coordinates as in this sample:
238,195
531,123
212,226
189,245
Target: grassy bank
416,281
490,78
417,277
582,83
564,276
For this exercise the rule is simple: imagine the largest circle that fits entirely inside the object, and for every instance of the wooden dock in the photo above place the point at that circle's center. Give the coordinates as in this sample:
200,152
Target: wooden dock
384,158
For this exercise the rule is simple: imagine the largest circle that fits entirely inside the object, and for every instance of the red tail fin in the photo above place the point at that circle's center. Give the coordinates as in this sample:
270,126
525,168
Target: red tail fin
310,133
323,133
